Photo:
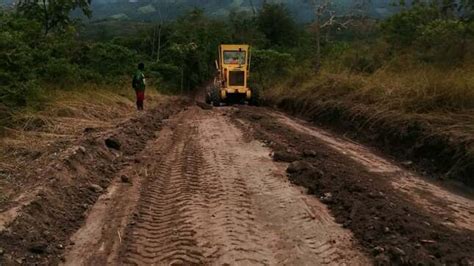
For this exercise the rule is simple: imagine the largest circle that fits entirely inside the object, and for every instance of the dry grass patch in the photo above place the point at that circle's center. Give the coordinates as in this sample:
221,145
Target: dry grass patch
37,136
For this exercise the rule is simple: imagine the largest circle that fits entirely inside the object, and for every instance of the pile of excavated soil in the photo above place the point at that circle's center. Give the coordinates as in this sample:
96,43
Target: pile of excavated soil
391,227
442,144
75,180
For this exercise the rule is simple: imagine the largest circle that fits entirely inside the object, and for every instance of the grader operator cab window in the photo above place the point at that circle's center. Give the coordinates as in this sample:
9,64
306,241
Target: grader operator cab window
234,57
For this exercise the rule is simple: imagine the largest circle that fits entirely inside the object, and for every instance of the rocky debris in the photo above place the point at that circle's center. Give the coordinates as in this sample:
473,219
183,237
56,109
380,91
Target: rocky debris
467,261
397,254
203,105
326,197
382,259
427,241
89,130
38,247
96,188
256,117
298,167
376,195
309,153
113,143
2,252
82,149
378,250
284,156
125,179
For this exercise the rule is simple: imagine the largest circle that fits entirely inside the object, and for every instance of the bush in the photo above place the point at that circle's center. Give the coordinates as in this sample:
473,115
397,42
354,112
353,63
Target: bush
364,58
269,66
443,41
60,72
402,29
107,60
17,68
168,76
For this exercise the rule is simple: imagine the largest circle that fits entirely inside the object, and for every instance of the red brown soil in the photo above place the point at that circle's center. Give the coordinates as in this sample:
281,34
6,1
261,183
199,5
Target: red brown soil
74,182
392,228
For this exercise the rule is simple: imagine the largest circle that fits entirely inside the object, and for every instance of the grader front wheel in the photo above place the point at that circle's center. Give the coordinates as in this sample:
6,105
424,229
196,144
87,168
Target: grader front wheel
256,97
215,96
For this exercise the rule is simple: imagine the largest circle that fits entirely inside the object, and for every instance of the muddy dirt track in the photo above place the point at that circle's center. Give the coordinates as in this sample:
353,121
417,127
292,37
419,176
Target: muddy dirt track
245,186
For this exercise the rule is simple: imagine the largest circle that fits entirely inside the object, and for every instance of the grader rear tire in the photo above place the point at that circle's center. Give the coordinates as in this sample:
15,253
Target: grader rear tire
207,98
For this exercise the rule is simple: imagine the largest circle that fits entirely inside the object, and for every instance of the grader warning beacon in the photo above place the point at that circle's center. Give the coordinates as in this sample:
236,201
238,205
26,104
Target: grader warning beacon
231,83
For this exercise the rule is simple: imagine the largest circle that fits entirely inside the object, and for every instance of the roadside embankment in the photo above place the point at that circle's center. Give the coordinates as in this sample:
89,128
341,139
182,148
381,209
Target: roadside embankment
61,160
424,118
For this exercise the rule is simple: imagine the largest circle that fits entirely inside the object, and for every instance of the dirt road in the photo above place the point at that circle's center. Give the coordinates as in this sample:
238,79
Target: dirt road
211,196
238,186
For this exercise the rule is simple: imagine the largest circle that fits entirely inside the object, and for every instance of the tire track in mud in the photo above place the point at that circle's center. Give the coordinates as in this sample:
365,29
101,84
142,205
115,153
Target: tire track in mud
212,198
162,233
230,232
296,229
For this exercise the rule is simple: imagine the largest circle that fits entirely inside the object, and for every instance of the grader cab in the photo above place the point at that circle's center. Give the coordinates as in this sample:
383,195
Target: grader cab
231,81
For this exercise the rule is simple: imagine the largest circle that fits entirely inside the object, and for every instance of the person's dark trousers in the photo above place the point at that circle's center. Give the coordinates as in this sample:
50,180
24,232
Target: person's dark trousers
140,99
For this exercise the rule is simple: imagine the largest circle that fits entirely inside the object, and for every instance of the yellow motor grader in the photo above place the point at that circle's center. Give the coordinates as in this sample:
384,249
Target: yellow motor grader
231,81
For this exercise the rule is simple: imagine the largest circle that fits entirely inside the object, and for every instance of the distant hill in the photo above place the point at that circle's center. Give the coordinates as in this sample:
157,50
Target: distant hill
155,10
151,10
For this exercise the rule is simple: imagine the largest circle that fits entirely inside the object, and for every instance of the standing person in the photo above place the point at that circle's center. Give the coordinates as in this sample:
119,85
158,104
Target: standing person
138,83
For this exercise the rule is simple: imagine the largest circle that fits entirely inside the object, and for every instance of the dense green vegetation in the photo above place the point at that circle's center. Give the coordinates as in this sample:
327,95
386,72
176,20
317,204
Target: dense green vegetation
40,54
49,50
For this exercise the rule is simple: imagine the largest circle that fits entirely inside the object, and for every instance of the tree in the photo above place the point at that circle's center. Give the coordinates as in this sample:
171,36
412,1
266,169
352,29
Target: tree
242,26
53,14
327,18
278,26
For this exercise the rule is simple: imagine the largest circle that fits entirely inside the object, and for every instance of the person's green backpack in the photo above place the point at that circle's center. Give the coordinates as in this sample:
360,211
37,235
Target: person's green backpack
135,82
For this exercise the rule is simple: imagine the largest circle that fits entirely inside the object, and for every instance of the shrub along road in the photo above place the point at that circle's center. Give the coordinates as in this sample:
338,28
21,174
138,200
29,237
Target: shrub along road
212,187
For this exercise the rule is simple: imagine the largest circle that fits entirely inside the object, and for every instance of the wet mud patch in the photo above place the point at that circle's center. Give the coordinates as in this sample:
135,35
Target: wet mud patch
392,229
75,180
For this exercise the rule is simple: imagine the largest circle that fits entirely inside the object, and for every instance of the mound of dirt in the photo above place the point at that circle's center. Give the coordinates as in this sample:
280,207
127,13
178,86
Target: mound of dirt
204,105
285,156
391,228
75,181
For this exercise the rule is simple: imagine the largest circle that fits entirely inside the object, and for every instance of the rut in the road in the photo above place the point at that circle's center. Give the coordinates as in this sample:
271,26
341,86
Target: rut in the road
163,232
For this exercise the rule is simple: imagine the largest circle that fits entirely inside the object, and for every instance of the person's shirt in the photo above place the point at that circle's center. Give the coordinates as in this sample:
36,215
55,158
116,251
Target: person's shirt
139,81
